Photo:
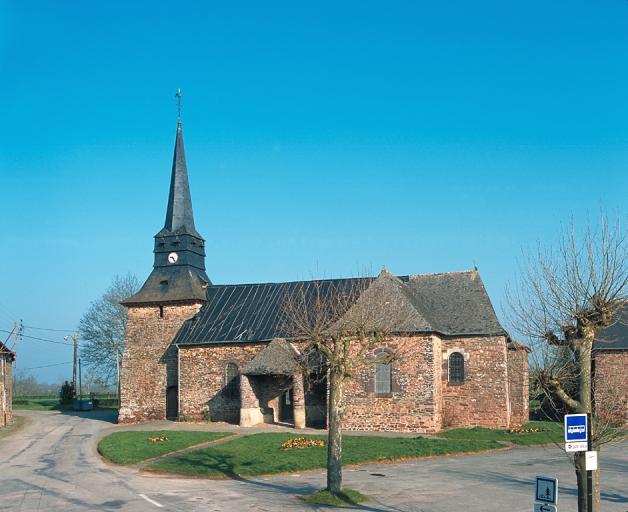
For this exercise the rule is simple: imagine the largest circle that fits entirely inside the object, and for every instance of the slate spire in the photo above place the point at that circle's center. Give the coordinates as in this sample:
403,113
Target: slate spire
179,213
179,269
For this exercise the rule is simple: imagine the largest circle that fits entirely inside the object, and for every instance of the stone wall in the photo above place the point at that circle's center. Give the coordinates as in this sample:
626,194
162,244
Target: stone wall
6,390
611,386
482,400
149,363
518,384
203,379
412,405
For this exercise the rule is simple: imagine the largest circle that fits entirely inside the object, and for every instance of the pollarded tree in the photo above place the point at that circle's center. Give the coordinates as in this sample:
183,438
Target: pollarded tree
341,322
564,297
102,329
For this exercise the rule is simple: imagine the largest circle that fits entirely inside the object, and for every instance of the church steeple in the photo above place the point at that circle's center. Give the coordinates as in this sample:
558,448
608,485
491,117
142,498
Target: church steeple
179,269
179,213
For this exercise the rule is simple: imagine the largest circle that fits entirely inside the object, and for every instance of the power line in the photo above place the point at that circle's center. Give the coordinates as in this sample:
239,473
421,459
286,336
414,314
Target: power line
40,339
46,366
44,329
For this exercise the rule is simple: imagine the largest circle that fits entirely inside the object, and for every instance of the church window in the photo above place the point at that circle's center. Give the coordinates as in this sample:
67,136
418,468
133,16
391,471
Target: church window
456,367
232,386
161,311
383,375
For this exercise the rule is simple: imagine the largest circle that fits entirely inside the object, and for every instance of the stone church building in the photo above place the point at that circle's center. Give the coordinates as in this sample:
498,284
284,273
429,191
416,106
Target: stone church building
198,350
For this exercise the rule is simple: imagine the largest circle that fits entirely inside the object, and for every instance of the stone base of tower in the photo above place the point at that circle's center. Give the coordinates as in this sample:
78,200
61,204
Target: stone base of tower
149,381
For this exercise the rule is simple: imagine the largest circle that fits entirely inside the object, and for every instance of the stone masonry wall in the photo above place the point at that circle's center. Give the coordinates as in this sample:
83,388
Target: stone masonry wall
413,405
149,363
203,379
6,388
482,400
611,386
518,384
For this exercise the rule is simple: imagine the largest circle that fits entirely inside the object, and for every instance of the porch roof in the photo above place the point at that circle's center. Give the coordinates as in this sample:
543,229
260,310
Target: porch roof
278,358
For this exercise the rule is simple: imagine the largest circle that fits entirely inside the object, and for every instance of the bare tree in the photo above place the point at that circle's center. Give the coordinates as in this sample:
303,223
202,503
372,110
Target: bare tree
342,321
102,329
563,297
24,383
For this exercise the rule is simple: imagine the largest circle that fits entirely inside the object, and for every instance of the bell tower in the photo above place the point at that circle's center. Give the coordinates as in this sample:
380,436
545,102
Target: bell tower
174,292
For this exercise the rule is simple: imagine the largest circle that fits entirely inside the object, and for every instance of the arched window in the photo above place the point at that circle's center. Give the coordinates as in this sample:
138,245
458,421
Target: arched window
383,375
232,386
456,367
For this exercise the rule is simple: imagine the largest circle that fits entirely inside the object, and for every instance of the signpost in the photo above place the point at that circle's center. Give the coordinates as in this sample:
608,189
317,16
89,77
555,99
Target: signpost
542,507
577,439
546,489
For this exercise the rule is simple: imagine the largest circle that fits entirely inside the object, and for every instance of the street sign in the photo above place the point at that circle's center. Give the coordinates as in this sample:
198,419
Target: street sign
576,428
590,459
543,507
546,489
577,447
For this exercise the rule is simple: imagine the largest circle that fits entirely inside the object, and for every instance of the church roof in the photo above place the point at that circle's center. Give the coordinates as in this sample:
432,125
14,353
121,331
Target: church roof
179,215
451,304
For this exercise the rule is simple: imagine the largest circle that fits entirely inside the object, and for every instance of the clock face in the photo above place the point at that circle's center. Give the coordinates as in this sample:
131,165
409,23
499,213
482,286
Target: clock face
173,257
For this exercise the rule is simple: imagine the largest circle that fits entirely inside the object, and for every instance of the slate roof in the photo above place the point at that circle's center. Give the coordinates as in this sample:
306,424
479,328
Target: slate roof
6,352
450,304
243,312
278,358
179,215
614,337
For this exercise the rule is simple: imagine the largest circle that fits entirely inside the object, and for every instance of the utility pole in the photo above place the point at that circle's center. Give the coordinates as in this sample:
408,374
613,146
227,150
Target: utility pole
75,339
15,345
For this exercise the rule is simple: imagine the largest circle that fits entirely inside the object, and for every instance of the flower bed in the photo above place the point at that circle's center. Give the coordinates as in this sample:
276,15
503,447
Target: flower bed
301,442
158,439
526,430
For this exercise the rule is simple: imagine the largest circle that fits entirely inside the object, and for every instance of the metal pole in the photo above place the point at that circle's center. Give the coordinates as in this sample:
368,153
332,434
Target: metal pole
80,385
75,339
589,473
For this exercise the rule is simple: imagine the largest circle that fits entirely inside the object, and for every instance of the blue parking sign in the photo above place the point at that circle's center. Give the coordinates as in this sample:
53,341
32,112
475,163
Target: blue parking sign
576,428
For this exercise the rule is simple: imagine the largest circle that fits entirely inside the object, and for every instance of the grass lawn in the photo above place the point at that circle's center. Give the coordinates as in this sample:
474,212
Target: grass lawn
51,403
131,447
555,434
260,454
344,497
42,404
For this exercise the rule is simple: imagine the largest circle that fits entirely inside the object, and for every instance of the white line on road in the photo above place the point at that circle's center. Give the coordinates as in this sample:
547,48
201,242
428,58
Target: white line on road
151,501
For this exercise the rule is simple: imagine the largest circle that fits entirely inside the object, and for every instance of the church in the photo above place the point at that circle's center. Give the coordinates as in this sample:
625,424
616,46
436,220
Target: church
200,351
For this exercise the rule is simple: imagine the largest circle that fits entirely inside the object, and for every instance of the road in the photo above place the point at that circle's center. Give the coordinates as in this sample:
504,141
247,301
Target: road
52,465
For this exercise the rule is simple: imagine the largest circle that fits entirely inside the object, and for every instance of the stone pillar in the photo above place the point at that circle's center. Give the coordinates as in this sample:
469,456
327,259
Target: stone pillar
250,413
298,394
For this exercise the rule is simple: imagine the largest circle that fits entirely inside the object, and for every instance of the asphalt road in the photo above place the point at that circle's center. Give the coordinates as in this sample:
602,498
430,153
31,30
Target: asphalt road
52,465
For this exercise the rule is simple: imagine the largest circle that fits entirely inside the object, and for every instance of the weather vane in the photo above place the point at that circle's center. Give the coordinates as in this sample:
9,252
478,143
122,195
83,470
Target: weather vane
178,104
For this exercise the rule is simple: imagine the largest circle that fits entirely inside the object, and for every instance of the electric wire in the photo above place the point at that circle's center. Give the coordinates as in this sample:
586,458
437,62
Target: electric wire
40,339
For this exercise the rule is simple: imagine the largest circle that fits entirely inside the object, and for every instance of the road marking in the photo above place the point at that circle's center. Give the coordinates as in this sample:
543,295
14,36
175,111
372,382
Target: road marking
151,501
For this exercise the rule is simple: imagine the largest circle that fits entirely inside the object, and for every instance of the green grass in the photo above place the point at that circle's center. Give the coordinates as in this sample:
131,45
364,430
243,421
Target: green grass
342,498
50,403
132,446
41,404
555,434
260,454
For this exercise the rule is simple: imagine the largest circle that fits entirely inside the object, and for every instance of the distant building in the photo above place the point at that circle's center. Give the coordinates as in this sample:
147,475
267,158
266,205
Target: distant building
610,370
196,349
6,386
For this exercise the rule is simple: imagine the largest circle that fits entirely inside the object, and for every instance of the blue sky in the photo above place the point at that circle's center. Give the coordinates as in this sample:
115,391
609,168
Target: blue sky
319,135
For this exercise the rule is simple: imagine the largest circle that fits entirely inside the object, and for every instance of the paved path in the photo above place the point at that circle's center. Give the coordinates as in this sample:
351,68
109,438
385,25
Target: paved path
52,465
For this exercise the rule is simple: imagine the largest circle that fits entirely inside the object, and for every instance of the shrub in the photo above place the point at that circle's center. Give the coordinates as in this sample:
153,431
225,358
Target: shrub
68,393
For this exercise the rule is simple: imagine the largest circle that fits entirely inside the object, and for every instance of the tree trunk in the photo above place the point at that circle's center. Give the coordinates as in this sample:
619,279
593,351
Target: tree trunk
334,443
581,477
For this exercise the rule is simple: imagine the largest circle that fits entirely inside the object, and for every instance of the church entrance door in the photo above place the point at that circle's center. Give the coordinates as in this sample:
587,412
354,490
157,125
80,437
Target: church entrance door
172,403
286,410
